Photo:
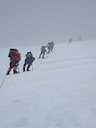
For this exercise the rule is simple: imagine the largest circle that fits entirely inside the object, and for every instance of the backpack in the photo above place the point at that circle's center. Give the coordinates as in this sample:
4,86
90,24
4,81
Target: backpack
43,47
17,57
14,55
29,54
49,45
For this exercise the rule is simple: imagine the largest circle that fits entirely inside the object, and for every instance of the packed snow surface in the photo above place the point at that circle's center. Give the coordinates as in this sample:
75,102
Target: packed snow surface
58,92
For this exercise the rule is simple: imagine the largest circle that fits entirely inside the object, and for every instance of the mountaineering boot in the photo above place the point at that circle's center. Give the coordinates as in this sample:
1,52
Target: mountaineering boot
14,71
7,73
23,69
28,68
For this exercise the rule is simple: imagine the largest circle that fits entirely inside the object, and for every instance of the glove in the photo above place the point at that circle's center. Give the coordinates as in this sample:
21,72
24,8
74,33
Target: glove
17,64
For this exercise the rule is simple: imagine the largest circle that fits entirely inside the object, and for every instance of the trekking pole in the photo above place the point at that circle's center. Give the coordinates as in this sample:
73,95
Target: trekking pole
32,67
18,69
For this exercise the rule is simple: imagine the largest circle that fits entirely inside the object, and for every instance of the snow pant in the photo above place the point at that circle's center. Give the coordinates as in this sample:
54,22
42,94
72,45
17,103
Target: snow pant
13,65
28,62
49,50
42,54
28,65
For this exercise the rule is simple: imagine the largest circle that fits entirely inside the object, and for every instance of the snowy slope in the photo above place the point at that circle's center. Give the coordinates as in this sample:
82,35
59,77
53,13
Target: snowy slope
60,92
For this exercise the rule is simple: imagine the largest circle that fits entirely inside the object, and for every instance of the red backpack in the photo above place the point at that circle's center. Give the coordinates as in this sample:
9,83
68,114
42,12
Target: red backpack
17,57
14,54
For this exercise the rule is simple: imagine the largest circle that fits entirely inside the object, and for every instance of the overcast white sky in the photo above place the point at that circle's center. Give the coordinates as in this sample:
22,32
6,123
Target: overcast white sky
26,22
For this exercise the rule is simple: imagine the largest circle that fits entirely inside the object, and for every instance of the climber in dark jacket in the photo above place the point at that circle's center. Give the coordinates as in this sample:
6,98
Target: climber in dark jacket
28,61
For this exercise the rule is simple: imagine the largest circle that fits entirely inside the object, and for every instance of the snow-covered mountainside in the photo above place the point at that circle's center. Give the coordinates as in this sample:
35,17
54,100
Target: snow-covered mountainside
59,92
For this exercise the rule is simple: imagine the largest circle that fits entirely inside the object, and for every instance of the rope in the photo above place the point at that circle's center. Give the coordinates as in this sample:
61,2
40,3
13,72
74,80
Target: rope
3,81
19,71
38,65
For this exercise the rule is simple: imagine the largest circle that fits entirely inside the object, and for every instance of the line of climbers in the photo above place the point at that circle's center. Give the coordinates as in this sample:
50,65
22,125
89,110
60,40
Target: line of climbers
49,46
15,58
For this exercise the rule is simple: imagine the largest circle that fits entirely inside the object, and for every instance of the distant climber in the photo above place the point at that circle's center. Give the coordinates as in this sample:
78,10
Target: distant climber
43,51
50,46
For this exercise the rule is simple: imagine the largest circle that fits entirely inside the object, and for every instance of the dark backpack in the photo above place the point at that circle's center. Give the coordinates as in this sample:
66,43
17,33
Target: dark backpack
43,47
29,54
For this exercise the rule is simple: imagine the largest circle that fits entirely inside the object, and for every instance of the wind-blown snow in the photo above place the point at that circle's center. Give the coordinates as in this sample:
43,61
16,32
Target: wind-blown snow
60,92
